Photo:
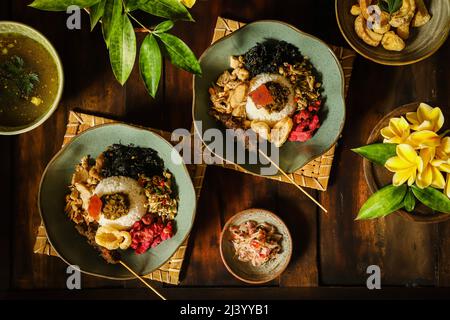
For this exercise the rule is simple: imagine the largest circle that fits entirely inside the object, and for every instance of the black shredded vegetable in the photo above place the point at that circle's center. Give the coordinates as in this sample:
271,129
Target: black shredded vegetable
131,161
268,56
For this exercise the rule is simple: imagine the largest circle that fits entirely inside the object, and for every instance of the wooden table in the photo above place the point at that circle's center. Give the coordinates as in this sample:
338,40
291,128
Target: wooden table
331,252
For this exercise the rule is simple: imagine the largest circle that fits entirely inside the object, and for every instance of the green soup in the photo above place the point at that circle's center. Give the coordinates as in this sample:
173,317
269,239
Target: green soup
28,80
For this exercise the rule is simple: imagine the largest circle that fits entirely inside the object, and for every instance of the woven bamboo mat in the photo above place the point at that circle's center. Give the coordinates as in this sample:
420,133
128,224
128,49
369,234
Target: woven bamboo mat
168,273
316,173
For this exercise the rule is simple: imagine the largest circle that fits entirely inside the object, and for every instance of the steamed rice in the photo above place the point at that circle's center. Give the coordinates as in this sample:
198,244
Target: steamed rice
262,114
136,197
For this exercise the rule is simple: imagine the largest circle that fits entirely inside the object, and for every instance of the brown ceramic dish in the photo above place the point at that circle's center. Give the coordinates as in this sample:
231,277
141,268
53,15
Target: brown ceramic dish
423,42
377,176
244,271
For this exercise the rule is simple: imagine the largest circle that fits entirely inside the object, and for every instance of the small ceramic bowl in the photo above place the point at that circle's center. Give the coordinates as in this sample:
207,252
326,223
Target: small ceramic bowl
22,29
423,42
292,155
245,271
72,247
378,176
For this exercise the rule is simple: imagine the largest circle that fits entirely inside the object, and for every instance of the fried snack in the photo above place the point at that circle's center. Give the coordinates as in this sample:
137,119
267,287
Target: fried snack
262,129
363,5
362,31
280,132
404,15
384,25
422,15
392,42
403,31
355,10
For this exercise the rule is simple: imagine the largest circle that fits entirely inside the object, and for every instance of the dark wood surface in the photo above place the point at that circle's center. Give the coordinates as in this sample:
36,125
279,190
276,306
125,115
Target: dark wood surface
330,250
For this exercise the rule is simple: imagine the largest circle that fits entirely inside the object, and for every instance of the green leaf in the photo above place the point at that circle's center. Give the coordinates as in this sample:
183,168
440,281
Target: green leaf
111,16
170,9
96,12
164,26
390,6
179,53
432,198
410,201
61,5
383,202
132,5
377,153
150,64
122,49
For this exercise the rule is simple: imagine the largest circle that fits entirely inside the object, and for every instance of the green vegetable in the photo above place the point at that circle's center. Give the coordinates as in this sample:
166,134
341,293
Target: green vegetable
150,64
16,78
179,53
117,30
61,5
122,49
410,201
432,198
377,153
390,6
383,202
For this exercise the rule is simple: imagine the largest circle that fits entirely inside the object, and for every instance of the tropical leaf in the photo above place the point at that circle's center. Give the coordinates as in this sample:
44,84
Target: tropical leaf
432,198
170,9
96,12
150,64
61,5
410,201
132,5
383,202
164,26
377,153
122,49
111,16
179,53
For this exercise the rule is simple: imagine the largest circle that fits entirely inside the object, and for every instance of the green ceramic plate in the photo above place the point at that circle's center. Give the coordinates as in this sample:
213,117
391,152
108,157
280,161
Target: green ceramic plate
72,247
293,155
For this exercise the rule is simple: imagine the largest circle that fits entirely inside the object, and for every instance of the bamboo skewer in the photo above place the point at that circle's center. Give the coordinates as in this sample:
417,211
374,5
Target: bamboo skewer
142,280
293,181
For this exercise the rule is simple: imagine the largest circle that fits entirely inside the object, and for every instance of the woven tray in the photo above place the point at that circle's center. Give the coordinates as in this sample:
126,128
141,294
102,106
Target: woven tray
317,172
168,273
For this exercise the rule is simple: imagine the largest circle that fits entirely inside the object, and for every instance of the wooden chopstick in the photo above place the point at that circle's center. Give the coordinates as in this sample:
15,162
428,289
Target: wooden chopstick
292,180
142,280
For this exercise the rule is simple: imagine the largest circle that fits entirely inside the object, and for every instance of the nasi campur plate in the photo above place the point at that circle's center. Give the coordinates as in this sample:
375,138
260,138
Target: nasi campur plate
272,89
121,200
117,193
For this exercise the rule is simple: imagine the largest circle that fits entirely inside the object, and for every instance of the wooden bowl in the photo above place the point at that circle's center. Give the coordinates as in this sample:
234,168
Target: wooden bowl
423,42
244,271
378,176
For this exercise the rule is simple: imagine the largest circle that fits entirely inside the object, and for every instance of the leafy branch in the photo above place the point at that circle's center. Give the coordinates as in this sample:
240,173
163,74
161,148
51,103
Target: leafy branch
120,38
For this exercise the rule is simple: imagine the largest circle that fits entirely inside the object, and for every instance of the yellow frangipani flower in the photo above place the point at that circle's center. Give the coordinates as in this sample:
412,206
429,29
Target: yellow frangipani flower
188,3
397,131
430,175
443,150
424,139
405,165
426,118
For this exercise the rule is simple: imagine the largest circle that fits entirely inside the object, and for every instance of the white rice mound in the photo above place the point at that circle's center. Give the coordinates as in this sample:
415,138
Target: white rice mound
261,114
136,196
